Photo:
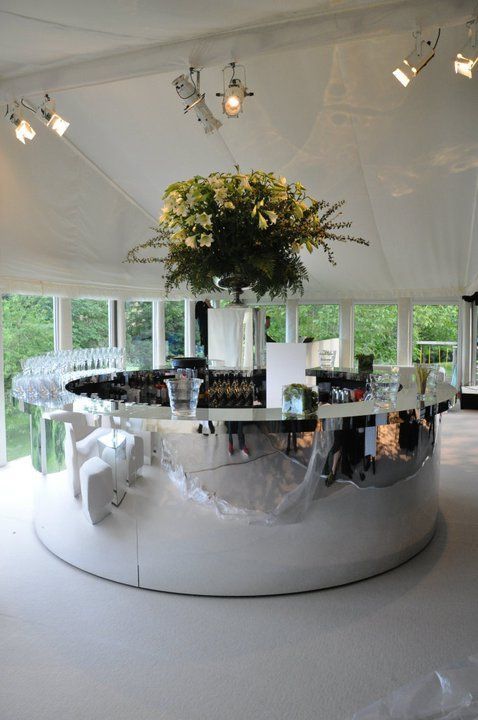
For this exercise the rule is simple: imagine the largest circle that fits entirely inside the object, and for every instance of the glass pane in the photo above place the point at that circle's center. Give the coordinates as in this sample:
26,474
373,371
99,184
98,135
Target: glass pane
139,335
318,322
376,332
89,320
27,331
435,336
174,324
275,327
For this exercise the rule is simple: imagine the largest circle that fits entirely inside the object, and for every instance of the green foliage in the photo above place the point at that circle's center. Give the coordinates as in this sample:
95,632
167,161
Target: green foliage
277,327
320,322
27,331
376,332
139,340
250,227
174,323
299,399
434,323
89,323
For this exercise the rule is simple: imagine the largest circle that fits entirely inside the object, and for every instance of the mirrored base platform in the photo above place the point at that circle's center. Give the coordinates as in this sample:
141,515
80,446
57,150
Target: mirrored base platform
213,524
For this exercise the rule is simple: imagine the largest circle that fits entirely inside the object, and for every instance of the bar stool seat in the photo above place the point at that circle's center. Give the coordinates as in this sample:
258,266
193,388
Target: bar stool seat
96,479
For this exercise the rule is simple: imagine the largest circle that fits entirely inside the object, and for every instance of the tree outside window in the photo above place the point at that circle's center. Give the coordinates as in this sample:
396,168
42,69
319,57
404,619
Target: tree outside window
27,331
277,327
174,324
89,323
139,335
376,332
435,335
319,322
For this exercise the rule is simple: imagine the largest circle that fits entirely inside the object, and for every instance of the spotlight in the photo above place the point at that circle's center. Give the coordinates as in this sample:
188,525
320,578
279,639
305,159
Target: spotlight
417,60
467,59
189,92
51,118
23,130
234,94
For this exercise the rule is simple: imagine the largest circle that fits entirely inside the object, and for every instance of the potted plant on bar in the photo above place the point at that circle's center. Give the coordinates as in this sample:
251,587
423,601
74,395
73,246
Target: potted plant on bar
237,230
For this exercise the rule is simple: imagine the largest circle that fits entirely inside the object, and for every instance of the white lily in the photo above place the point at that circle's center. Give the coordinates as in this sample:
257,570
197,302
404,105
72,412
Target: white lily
204,219
206,240
164,214
272,216
179,235
191,241
220,195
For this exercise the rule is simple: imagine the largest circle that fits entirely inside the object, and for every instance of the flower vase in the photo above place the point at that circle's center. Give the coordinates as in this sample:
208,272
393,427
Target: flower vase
235,285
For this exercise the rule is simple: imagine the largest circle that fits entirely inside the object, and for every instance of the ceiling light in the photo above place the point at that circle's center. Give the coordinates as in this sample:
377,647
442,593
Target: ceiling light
23,130
189,92
466,60
52,119
404,76
233,95
417,60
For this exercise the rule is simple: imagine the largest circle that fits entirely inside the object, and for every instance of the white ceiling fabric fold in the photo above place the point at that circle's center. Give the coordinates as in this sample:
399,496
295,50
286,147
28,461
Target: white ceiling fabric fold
329,115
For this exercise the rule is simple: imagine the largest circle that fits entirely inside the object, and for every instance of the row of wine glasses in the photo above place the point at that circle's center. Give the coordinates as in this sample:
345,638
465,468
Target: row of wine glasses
44,376
67,361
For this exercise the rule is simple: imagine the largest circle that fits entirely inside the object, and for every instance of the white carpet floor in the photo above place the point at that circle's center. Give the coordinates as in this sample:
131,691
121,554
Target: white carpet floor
73,646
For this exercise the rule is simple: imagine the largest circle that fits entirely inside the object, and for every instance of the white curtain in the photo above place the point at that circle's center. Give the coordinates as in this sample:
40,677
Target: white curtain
230,337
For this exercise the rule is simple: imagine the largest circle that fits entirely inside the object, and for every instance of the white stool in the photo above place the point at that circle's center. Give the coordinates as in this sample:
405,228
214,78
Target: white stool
96,479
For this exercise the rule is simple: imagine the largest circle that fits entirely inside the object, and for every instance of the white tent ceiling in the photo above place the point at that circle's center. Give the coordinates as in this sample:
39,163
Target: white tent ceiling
326,111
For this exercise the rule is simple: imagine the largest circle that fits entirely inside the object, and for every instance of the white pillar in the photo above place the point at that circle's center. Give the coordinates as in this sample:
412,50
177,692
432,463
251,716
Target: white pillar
120,324
112,324
292,321
159,334
189,328
3,431
346,334
474,341
405,331
62,324
466,338
260,337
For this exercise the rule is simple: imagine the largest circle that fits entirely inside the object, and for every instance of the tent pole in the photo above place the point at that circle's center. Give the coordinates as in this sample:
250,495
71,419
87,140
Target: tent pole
3,431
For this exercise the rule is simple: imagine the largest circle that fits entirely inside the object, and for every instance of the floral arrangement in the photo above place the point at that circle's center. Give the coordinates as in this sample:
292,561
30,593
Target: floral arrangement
249,226
299,399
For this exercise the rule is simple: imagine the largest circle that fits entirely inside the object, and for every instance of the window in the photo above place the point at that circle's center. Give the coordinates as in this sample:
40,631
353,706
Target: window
319,322
376,332
27,331
174,324
89,323
276,329
139,338
435,336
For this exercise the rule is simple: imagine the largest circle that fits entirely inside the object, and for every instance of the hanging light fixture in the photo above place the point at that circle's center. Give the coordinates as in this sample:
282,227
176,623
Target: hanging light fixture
236,91
51,118
23,129
466,60
189,92
46,112
416,61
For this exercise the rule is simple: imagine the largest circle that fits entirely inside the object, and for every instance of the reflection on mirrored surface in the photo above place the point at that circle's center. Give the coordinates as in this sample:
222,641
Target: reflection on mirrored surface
234,501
